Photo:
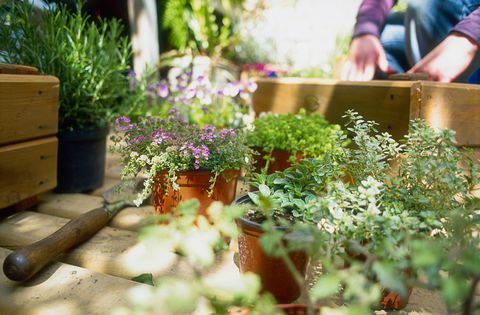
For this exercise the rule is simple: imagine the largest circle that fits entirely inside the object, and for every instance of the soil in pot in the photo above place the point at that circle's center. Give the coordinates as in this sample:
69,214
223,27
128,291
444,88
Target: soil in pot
275,276
81,160
280,160
193,184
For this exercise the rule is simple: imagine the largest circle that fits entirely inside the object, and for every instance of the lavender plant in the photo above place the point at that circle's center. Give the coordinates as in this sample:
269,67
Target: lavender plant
172,145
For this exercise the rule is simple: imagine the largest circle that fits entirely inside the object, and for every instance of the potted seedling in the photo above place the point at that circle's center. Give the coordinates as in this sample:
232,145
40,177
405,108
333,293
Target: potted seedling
277,206
91,61
181,160
281,139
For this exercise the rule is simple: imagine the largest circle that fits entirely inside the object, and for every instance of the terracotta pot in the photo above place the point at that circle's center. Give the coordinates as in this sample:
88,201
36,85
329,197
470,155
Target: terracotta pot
279,163
296,309
389,300
274,274
193,184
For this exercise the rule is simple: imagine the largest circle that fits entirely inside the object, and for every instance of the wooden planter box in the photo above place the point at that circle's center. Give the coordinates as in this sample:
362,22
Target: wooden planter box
28,125
392,104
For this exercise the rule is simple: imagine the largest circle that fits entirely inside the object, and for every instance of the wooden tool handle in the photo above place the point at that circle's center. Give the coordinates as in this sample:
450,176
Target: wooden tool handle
22,264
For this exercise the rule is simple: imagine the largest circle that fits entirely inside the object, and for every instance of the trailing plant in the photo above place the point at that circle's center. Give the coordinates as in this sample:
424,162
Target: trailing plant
172,145
91,60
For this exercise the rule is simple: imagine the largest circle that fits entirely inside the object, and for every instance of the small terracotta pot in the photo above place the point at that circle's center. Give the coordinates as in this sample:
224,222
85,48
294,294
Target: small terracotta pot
274,274
296,309
193,184
389,301
280,160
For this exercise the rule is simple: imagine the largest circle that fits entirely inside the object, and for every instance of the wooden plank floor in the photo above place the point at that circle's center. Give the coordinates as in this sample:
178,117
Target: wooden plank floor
94,277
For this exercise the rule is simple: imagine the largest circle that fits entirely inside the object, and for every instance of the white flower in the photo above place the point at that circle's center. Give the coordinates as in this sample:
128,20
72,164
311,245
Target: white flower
134,155
324,225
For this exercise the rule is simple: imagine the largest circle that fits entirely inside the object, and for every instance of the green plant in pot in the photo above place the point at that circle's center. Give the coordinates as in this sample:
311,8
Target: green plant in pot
181,160
91,60
282,139
394,193
397,192
276,207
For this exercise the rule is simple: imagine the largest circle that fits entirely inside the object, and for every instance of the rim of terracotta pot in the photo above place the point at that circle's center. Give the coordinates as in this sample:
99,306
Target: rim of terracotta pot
200,172
245,199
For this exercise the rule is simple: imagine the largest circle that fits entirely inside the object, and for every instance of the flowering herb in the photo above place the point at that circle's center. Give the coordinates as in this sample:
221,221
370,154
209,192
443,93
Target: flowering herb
172,145
197,99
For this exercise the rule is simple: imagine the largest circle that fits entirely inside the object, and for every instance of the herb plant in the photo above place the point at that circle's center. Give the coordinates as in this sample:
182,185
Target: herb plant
308,135
91,60
172,145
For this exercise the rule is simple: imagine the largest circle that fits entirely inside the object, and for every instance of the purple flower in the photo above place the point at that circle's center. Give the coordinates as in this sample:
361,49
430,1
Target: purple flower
139,139
132,74
162,89
251,86
123,124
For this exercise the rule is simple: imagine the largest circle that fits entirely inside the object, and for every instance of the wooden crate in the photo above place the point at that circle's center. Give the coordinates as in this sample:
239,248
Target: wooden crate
28,125
392,104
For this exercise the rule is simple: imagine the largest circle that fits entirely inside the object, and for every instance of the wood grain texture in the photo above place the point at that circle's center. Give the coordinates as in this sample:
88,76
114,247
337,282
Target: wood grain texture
111,251
24,263
390,103
63,289
28,107
27,169
17,69
73,205
454,106
385,102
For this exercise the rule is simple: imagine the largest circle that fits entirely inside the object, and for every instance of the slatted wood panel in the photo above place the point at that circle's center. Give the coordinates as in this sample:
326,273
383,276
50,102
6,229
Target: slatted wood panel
27,169
390,103
28,107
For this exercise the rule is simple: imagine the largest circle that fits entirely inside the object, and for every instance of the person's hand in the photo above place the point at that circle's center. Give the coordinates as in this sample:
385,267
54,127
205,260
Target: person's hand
448,60
366,54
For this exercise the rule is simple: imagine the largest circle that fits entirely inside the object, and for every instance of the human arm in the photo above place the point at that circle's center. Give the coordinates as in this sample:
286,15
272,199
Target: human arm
366,52
454,54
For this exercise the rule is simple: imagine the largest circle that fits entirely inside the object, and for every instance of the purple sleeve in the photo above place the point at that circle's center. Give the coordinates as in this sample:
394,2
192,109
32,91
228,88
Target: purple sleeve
371,16
470,26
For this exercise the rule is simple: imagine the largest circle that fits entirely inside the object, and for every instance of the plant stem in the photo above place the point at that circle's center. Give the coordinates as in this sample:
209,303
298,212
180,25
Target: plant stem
468,303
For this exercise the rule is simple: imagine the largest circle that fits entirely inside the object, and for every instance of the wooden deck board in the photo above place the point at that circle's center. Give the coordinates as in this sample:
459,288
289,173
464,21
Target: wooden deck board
73,205
111,251
63,289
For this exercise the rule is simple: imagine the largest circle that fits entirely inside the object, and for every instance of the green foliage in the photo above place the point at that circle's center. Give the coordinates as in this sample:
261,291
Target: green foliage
90,59
203,26
309,135
196,239
172,145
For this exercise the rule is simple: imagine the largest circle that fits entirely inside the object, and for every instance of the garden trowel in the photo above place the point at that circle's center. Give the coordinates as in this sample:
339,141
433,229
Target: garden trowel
23,263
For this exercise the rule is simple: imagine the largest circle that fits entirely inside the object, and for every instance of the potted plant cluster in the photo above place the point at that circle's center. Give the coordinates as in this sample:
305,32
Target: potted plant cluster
196,98
181,160
91,61
281,139
367,220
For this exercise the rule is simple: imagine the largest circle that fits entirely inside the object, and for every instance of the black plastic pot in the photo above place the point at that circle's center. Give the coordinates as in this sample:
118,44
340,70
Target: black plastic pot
81,160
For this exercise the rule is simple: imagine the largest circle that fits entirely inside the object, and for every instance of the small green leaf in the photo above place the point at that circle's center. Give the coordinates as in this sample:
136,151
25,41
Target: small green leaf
389,278
146,278
326,286
254,197
454,289
264,190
